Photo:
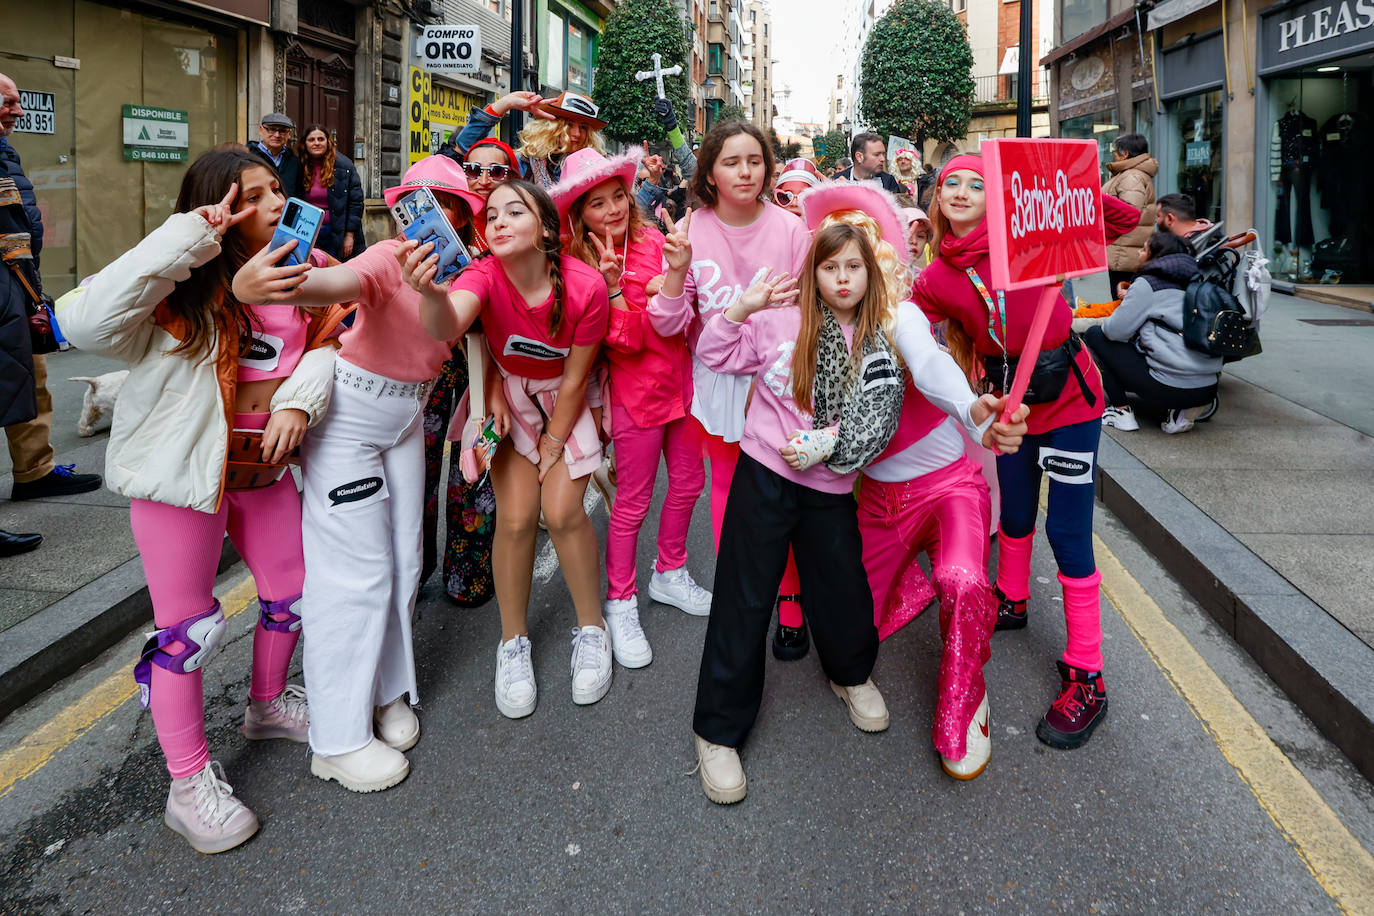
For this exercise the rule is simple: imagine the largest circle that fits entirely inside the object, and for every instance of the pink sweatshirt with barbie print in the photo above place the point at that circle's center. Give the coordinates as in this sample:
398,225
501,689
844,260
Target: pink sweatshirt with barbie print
650,375
760,349
726,260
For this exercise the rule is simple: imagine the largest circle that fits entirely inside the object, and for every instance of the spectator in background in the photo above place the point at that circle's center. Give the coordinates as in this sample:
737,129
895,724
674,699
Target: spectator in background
906,171
330,181
870,155
1140,347
1177,214
17,401
1133,180
36,474
274,146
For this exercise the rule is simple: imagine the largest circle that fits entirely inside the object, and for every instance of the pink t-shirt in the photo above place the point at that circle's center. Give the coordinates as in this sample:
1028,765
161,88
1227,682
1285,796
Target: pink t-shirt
518,334
387,337
277,338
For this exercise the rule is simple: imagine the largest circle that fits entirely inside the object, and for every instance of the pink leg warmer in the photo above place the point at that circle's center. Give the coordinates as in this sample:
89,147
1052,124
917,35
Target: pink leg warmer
1013,564
1083,621
180,549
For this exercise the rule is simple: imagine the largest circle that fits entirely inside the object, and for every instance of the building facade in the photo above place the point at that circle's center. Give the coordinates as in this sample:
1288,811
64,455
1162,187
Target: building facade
758,57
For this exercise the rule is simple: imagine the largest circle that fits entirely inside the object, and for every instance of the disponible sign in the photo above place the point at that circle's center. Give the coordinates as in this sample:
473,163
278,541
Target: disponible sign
1044,201
450,48
1316,30
155,134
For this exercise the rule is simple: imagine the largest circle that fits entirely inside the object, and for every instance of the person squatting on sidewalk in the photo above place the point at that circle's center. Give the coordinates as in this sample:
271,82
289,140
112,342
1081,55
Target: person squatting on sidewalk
648,392
202,364
544,315
712,256
363,495
1066,401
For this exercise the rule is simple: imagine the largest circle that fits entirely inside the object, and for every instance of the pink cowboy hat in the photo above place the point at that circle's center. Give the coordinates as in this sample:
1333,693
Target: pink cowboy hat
586,168
438,173
868,197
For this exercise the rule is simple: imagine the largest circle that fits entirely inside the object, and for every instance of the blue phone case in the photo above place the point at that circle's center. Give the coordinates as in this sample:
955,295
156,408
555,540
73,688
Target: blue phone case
300,221
420,218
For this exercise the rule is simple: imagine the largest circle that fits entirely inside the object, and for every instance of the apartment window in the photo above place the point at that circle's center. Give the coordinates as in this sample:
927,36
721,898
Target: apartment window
500,8
958,5
715,58
1081,15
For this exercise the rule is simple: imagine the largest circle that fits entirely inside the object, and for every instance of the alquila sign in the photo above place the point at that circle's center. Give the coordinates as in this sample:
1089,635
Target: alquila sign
1305,33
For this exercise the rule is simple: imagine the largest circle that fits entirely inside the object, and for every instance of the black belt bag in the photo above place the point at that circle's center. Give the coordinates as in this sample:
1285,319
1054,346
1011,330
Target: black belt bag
1051,373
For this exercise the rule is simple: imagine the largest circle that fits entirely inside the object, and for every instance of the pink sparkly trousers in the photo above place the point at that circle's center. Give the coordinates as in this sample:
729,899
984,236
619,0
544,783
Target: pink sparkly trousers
944,514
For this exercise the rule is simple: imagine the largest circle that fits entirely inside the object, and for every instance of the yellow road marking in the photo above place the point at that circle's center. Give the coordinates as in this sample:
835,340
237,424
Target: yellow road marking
39,746
1338,862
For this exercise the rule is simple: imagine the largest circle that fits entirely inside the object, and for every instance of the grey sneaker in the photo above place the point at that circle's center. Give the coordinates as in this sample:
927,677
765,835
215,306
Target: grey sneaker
202,808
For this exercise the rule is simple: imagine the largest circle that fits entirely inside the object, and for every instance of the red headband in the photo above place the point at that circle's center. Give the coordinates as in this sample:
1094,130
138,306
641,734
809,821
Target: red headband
964,161
503,147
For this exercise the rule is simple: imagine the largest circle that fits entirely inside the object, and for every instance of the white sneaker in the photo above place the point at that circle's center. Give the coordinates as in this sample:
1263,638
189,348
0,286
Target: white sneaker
628,643
1122,418
202,808
396,724
722,775
591,664
1180,421
867,710
287,715
515,689
370,768
677,588
977,747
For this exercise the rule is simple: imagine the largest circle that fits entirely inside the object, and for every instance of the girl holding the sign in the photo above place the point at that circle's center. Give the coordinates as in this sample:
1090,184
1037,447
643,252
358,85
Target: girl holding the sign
989,328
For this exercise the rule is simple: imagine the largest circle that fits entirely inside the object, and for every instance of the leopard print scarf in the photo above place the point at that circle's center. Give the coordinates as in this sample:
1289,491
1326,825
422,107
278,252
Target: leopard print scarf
866,403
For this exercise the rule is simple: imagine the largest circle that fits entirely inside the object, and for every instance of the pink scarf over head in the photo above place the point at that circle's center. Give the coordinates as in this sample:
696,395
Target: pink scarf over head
966,251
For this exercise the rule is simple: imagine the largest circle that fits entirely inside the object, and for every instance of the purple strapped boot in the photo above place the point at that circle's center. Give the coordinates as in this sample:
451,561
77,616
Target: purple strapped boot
200,637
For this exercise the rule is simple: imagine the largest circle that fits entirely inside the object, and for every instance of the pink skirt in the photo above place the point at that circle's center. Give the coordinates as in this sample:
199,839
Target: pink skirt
531,403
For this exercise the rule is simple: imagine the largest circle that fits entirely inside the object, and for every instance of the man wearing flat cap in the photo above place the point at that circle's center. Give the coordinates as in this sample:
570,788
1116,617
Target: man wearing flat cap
274,145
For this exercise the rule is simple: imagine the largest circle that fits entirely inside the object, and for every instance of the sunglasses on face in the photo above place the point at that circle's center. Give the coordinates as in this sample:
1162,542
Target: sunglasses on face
784,198
497,172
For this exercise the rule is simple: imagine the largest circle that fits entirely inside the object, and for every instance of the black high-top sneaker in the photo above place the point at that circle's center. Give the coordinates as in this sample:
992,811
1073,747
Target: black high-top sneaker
1080,708
1011,615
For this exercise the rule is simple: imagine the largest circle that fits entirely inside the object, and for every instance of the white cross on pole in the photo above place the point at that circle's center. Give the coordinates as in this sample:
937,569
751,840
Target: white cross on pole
658,73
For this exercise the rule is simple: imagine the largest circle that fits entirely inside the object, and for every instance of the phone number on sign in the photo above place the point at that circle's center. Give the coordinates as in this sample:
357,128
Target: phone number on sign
37,122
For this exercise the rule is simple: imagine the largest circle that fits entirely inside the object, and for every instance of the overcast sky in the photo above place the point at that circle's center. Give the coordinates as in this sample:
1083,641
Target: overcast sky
806,35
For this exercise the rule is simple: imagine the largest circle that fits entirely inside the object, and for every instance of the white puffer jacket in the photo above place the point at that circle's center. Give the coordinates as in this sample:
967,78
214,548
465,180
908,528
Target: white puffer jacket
170,434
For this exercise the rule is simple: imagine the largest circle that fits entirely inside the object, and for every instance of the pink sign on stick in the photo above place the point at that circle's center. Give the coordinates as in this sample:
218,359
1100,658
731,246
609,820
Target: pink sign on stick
1044,200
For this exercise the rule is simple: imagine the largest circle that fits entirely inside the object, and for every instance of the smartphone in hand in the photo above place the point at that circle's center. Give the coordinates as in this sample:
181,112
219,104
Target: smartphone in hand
420,218
300,221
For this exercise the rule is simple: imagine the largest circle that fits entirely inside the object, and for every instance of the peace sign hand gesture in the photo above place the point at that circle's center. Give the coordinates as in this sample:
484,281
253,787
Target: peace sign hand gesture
677,247
221,216
769,290
611,264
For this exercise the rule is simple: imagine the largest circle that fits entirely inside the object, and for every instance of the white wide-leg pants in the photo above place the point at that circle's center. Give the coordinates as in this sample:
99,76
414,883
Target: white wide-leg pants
363,470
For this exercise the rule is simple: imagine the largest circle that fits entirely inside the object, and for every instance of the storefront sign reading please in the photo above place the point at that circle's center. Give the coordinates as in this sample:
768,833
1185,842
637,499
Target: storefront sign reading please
1044,200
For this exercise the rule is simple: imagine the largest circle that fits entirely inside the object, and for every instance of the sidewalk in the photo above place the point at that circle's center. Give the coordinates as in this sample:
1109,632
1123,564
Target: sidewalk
83,588
1266,513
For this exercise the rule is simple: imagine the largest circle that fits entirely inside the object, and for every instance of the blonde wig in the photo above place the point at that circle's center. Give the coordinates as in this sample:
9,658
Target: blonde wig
543,138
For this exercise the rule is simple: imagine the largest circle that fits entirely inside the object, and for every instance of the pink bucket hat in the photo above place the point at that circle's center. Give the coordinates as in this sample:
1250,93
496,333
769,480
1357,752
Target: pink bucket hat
438,173
586,168
868,197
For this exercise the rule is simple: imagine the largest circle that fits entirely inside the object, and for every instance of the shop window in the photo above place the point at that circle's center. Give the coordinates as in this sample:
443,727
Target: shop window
579,59
1320,134
1195,150
1145,117
569,64
557,28
1077,16
1101,126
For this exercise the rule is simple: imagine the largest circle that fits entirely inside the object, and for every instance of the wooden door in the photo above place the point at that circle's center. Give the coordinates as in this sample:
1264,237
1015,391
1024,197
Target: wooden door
319,89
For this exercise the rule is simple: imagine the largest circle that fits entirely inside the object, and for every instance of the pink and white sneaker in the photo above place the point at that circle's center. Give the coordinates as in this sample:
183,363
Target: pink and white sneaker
287,715
977,747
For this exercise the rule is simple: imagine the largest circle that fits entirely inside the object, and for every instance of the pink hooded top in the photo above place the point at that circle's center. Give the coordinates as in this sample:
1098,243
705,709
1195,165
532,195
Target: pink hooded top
726,260
650,375
760,351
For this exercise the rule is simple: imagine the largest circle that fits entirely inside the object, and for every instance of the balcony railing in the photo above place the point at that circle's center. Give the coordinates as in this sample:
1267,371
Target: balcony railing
1001,90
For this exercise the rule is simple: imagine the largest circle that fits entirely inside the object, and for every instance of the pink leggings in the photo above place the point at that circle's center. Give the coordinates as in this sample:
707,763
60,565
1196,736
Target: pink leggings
636,465
181,548
945,514
723,457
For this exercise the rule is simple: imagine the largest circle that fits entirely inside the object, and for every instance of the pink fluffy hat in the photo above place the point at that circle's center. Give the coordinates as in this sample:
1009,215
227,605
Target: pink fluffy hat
438,173
586,168
867,197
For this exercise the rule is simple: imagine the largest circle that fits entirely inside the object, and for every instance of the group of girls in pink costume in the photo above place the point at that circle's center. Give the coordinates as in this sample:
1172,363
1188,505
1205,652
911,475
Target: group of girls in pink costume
781,347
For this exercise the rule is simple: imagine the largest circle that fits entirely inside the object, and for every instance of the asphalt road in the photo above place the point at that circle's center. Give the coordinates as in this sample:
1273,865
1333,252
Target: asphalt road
1187,799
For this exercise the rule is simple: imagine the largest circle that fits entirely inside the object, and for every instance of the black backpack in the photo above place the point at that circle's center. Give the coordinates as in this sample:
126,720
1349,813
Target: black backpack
1214,321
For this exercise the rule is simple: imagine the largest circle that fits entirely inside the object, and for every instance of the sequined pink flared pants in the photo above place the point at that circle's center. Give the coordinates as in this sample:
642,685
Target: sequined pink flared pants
945,514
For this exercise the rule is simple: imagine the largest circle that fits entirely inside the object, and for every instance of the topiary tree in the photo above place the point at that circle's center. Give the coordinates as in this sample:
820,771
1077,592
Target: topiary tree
633,33
916,76
732,113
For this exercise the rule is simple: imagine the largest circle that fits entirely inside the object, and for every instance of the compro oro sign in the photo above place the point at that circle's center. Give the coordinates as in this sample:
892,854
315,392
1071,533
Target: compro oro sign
449,48
1045,220
155,134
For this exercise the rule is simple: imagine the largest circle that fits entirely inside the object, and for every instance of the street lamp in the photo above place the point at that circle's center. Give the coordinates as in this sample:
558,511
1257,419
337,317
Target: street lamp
845,126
